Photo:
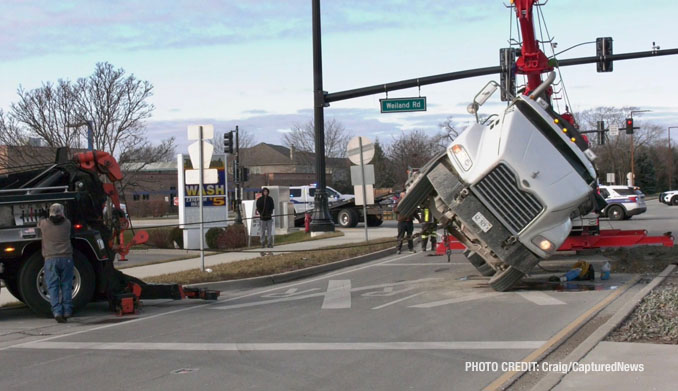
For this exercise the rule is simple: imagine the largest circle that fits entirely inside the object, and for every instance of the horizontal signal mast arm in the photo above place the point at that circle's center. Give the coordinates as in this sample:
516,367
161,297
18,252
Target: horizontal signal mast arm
410,83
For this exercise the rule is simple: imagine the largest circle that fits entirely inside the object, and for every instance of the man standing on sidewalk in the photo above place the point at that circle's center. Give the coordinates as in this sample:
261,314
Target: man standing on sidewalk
265,208
58,253
405,227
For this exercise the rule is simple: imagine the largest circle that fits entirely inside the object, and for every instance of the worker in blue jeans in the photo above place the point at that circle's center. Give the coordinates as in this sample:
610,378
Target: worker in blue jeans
58,253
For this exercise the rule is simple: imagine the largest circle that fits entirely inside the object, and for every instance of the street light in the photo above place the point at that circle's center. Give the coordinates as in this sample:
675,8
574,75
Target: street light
633,171
671,154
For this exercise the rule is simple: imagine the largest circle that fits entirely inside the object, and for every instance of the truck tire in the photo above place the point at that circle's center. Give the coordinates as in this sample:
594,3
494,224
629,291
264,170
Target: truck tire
615,212
374,221
504,280
34,290
479,263
347,218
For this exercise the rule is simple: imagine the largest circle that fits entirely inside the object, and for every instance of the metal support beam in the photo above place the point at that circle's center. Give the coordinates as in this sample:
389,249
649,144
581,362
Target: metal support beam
322,220
422,81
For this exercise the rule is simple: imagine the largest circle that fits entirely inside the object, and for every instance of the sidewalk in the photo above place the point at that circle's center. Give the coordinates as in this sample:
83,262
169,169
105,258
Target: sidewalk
658,365
352,235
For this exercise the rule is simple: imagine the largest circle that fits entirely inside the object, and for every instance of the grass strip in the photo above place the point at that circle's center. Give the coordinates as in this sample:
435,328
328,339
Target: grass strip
273,264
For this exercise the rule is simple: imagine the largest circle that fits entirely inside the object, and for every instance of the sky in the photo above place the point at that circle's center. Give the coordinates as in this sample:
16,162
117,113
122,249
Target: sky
249,62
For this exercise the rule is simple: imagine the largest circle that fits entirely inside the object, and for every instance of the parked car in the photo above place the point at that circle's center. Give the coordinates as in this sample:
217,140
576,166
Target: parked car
623,202
669,197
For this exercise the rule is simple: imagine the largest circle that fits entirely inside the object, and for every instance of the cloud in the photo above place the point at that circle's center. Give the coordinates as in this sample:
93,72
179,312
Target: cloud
38,28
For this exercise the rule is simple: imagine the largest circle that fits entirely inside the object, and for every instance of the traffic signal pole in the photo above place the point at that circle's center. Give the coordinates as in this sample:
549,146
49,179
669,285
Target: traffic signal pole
322,220
236,175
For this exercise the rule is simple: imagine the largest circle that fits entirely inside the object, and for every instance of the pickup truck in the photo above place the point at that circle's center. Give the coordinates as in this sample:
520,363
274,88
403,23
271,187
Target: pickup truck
343,209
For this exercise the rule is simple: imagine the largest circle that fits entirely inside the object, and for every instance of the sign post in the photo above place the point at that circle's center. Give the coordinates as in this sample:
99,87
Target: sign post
361,155
203,158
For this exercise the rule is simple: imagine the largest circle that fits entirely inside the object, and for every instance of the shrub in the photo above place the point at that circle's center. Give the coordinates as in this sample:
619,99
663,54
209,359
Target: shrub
177,236
212,235
160,238
234,236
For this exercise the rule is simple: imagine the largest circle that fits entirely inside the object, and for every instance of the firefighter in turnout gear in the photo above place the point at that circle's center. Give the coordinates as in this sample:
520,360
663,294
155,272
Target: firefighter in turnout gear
429,228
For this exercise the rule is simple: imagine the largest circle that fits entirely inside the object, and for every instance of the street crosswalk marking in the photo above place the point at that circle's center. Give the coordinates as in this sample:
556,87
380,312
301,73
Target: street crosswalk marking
472,296
338,295
539,298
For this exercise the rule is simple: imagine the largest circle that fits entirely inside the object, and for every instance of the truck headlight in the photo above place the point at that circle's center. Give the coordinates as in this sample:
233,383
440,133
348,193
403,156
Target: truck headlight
544,244
462,156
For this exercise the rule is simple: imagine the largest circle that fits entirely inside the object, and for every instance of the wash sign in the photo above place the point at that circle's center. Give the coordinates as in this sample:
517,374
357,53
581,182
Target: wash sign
214,194
399,105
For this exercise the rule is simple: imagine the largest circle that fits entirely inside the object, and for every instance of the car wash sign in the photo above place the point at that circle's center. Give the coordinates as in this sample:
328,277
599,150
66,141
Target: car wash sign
214,194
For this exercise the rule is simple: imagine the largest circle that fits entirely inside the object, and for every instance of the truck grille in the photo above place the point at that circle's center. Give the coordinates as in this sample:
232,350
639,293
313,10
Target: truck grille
512,206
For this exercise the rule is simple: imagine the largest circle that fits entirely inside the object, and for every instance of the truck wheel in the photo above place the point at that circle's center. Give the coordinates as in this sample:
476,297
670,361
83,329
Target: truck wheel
503,281
674,200
33,288
374,221
615,212
347,218
479,263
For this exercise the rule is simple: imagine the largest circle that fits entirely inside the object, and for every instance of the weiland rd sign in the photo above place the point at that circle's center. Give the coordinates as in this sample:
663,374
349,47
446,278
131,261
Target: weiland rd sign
399,105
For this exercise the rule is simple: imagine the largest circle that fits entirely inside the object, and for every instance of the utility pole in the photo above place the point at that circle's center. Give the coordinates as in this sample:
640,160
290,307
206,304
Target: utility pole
671,169
236,176
633,165
322,220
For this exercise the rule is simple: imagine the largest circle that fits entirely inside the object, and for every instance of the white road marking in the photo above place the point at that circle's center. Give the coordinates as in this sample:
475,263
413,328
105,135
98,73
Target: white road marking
259,292
291,346
318,294
397,301
472,296
540,298
290,292
424,264
338,295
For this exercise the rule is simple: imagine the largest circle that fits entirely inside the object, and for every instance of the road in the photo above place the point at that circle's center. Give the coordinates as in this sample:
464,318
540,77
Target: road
408,321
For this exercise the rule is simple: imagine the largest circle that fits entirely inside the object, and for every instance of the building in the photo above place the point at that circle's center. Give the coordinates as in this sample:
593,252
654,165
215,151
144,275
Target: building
150,188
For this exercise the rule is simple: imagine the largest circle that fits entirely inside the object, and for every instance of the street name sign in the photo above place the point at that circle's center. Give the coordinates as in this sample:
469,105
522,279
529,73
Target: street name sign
399,105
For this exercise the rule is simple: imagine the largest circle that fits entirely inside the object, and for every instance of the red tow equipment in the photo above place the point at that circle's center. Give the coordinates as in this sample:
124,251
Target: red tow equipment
606,239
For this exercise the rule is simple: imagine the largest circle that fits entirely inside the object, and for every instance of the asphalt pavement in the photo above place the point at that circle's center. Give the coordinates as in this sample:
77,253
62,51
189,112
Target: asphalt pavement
410,321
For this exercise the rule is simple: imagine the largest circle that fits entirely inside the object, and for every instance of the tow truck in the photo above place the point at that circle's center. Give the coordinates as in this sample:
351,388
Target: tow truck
509,186
86,186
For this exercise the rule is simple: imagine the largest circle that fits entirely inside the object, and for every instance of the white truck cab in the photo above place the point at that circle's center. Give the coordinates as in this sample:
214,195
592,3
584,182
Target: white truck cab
508,187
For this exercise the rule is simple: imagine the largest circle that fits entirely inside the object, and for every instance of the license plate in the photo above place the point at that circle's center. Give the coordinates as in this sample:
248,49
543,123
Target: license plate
482,222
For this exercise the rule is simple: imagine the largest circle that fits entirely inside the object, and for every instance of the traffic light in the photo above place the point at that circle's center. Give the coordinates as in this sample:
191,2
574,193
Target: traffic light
601,133
629,126
604,49
244,174
228,142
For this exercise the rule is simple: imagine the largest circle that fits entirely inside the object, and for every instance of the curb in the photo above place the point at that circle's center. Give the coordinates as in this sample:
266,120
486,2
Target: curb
552,379
506,380
256,282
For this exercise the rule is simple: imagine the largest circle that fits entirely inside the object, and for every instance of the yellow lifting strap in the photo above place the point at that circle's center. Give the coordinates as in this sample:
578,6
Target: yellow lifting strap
584,267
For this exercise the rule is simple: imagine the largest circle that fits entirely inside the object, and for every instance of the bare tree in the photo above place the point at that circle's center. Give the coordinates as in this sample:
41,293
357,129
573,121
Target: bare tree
411,149
116,104
302,138
134,160
448,131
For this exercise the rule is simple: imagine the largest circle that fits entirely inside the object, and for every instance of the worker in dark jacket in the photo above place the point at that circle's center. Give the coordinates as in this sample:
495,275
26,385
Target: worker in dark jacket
58,253
405,227
265,208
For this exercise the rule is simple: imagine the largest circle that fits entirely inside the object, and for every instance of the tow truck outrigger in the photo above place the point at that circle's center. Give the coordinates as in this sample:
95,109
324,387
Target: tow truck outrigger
86,186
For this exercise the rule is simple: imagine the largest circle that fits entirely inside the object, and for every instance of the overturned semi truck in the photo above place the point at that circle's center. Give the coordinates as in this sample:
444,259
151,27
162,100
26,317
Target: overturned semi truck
508,187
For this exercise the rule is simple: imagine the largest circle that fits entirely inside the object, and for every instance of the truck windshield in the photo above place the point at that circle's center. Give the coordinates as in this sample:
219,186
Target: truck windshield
545,128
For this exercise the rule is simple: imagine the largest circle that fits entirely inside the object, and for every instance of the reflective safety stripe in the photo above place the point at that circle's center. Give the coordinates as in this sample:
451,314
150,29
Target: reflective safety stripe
426,216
